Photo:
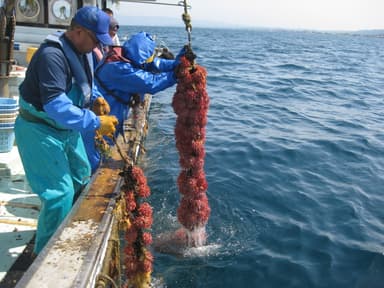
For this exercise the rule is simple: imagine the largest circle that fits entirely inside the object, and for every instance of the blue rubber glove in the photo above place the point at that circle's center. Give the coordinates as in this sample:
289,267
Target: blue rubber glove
160,65
180,54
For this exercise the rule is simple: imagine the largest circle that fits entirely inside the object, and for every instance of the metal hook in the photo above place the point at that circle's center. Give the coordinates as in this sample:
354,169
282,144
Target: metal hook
187,21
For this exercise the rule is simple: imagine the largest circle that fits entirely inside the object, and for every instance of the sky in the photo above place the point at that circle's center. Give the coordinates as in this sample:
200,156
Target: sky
337,15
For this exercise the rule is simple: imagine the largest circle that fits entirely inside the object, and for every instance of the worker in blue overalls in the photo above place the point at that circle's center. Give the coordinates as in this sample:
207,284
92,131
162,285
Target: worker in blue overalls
55,98
127,72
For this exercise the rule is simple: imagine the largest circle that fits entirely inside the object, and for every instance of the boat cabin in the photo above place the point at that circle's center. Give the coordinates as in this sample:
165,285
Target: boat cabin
36,19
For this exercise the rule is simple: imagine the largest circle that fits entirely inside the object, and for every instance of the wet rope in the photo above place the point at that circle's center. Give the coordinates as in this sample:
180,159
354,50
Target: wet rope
138,220
136,224
190,103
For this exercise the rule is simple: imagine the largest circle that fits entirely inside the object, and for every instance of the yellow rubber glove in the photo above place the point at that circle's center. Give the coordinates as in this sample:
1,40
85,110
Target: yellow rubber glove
101,107
107,125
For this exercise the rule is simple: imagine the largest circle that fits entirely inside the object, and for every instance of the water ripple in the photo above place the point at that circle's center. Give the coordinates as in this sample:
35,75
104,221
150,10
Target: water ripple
294,161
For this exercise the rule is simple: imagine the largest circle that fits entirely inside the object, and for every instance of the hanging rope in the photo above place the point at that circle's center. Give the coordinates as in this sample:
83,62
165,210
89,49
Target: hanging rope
190,103
135,223
138,220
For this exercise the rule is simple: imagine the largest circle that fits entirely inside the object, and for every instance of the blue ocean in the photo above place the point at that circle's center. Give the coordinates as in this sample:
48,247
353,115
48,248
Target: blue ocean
294,160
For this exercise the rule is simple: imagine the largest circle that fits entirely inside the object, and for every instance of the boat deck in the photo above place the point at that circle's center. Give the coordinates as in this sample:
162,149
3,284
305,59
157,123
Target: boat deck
78,252
19,209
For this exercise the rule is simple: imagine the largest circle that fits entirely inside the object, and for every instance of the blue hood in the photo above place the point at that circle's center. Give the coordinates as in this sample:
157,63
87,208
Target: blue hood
139,48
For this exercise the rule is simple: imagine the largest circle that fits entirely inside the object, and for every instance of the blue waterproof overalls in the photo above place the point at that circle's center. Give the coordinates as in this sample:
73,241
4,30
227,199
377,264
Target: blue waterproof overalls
119,78
53,156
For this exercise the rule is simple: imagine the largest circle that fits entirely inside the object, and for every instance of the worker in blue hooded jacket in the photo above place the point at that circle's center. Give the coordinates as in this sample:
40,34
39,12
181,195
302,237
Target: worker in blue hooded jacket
134,70
55,101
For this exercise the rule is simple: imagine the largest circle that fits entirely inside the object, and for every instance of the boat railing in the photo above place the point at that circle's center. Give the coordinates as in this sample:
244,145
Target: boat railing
85,249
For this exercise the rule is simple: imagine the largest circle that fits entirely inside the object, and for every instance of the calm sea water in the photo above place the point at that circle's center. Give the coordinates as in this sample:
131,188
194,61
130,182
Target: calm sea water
295,160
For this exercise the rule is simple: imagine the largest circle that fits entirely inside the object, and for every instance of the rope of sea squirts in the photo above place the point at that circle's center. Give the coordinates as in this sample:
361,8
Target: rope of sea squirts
190,103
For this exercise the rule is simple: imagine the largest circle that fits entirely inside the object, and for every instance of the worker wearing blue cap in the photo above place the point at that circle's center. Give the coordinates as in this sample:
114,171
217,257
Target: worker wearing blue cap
55,98
124,75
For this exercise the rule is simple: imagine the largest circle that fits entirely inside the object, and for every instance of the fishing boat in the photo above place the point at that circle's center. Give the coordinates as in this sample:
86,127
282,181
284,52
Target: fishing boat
85,250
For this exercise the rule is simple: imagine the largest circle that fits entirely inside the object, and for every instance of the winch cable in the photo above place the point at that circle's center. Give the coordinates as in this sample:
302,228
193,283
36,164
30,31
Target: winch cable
187,21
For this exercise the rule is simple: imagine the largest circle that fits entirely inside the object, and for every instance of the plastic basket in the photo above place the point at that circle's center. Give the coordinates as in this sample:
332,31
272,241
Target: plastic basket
8,115
10,119
10,110
7,139
7,125
8,104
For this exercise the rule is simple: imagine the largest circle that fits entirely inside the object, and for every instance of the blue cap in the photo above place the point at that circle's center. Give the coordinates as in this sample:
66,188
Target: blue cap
95,20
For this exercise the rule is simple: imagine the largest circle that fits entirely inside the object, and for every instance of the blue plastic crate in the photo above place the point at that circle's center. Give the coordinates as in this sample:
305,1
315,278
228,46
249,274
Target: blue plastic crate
8,103
7,139
7,125
9,110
